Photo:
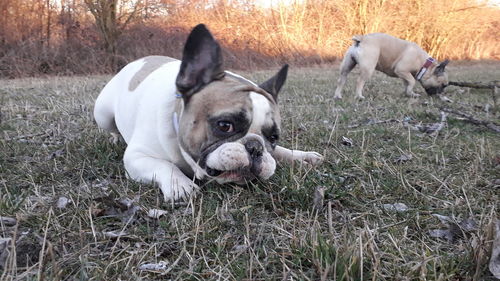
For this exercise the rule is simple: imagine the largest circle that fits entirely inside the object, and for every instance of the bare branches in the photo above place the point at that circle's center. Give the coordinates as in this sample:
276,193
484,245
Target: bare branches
374,122
110,24
493,85
471,119
476,85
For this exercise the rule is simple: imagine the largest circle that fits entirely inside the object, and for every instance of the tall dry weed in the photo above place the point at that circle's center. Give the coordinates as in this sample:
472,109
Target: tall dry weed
47,39
457,29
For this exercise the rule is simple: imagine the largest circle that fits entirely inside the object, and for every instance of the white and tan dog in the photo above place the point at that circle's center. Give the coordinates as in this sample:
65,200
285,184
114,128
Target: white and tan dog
394,57
191,119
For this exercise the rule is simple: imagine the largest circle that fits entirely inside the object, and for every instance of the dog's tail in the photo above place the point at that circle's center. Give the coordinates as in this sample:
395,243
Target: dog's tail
356,40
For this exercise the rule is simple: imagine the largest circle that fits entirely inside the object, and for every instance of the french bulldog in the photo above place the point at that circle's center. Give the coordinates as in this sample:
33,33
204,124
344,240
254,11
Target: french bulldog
191,119
394,57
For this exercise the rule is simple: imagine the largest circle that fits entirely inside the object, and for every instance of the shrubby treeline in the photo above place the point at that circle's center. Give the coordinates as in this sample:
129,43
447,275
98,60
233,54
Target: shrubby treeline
67,37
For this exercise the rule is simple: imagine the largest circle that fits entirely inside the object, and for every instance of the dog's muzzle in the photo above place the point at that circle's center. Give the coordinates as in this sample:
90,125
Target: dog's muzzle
255,150
435,90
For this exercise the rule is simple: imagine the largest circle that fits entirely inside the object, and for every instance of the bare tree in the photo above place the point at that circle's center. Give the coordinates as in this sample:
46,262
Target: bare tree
110,23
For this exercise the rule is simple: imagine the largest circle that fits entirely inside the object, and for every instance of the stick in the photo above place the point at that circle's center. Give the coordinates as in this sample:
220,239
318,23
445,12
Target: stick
371,122
493,85
490,125
476,85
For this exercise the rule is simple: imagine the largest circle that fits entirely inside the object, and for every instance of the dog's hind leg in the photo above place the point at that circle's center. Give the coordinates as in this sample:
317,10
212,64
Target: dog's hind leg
367,59
364,75
348,63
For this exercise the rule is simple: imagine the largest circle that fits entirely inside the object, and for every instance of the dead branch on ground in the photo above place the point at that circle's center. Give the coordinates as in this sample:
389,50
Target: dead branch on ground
374,122
471,119
476,85
493,85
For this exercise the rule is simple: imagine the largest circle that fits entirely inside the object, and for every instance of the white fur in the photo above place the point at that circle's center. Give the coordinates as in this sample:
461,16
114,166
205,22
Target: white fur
241,77
144,118
229,156
260,109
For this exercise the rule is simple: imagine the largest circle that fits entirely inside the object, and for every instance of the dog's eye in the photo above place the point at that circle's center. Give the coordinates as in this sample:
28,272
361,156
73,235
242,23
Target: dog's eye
273,138
225,126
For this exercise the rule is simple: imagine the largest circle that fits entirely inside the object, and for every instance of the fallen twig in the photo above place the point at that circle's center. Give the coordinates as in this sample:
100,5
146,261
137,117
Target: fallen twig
430,129
489,124
476,85
493,85
374,122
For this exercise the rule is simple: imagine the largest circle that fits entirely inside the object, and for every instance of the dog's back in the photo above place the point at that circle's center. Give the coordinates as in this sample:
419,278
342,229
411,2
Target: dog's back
389,49
383,52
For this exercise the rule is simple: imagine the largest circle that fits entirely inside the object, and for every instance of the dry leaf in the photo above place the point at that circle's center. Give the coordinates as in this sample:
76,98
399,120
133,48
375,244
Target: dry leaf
156,213
62,202
494,265
455,230
441,233
126,203
4,251
431,129
56,154
7,221
123,208
155,267
114,234
346,141
396,207
403,158
239,248
224,215
319,198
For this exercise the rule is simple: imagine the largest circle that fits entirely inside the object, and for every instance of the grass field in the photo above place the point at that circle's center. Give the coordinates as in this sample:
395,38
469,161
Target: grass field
78,217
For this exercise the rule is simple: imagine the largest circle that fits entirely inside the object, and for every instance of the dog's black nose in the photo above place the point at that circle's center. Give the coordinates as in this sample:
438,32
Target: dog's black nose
254,148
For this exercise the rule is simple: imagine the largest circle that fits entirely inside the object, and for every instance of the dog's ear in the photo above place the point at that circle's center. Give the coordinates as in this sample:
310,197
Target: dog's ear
201,62
273,85
440,68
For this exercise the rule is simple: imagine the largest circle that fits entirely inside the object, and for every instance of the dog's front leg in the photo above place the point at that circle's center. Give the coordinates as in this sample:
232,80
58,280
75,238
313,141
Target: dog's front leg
173,183
286,155
409,82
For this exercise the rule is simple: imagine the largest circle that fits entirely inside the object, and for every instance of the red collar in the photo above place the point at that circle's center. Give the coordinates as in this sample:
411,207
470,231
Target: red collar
424,68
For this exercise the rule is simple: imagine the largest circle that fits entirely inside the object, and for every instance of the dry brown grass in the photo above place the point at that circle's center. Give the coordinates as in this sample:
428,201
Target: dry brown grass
35,40
456,29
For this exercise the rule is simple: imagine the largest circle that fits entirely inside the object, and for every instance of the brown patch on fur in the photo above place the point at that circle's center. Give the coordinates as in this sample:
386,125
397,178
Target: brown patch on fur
151,64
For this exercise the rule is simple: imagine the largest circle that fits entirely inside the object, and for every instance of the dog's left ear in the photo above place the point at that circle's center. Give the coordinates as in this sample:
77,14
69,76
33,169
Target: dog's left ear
201,62
273,85
440,68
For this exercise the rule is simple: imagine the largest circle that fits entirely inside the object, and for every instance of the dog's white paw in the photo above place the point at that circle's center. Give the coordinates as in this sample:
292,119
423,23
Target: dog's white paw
312,158
360,97
181,188
337,97
413,95
115,138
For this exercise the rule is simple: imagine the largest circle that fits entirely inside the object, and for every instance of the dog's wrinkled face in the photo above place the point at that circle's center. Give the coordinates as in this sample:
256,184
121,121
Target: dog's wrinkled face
437,81
229,126
230,131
